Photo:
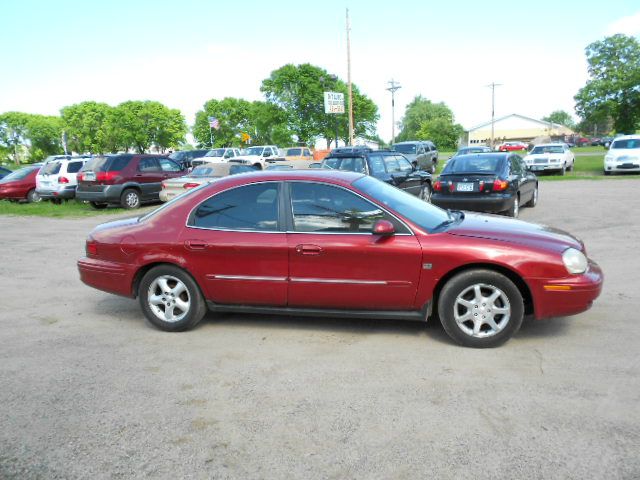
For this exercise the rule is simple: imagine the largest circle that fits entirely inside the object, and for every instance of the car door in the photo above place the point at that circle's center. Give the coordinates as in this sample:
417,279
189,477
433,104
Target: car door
149,177
403,174
525,179
237,247
334,259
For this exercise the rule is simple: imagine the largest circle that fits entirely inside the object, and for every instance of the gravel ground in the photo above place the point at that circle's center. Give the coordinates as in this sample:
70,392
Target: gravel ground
89,390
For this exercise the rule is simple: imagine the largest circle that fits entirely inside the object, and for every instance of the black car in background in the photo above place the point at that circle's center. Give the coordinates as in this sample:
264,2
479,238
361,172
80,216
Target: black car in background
388,166
184,157
486,182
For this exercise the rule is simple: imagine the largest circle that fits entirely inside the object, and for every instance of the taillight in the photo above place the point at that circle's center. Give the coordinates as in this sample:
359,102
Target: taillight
63,180
80,177
91,247
500,185
481,186
451,187
163,185
107,177
437,187
190,185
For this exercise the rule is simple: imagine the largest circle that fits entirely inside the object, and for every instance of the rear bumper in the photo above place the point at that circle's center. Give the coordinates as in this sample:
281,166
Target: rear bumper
568,296
60,192
110,277
480,203
106,194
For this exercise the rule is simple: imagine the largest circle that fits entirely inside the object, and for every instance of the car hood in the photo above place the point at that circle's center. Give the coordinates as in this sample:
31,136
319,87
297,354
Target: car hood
543,155
622,154
494,227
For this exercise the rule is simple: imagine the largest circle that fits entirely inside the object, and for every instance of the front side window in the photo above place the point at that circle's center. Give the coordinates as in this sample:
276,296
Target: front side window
251,207
405,165
148,165
169,166
328,209
391,162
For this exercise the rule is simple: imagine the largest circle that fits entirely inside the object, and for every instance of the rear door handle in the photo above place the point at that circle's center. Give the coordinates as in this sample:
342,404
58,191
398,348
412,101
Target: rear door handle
195,245
308,249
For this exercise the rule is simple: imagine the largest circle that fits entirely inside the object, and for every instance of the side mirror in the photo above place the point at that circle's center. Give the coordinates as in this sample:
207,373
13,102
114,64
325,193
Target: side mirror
383,227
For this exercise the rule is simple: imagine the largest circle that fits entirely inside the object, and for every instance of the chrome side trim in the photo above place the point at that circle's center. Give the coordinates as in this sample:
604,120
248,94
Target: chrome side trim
338,280
246,277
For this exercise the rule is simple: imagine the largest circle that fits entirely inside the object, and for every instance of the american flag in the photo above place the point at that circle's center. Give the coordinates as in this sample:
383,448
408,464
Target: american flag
214,123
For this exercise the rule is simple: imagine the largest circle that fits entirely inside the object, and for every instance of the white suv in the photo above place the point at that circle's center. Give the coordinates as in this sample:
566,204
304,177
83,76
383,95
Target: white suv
57,180
623,155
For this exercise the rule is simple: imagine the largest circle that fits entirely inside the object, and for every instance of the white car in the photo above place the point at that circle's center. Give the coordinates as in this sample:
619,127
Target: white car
57,179
550,157
259,156
623,155
217,155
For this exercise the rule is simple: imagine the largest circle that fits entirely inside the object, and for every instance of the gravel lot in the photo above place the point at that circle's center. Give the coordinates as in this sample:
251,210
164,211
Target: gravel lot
89,390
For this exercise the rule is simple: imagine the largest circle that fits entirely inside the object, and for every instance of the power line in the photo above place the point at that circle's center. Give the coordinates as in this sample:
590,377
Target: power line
393,87
493,86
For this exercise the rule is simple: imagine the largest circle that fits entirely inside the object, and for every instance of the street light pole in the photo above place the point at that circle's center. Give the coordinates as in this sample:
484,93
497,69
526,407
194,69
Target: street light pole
493,86
393,87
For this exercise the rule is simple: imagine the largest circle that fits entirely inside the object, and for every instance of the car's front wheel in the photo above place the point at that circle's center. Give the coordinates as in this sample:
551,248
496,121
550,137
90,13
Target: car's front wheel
170,299
480,308
425,192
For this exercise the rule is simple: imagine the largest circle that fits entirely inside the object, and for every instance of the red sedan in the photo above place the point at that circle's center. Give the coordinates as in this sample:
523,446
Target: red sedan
338,244
21,185
512,146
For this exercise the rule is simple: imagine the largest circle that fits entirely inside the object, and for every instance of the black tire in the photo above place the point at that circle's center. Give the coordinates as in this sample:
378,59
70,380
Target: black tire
514,210
606,172
98,205
563,170
257,166
570,168
158,296
130,199
425,192
461,290
33,197
534,199
56,201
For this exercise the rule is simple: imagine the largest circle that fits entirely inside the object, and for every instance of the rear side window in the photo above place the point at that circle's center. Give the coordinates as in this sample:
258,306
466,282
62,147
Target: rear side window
51,168
74,167
250,207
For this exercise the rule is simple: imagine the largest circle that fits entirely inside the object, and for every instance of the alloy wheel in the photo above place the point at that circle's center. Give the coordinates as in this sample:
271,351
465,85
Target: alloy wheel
482,310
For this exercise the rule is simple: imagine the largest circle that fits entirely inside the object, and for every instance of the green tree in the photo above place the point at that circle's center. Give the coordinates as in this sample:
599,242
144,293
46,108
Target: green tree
299,91
441,131
614,87
25,136
84,125
14,134
419,111
267,125
560,117
145,124
233,116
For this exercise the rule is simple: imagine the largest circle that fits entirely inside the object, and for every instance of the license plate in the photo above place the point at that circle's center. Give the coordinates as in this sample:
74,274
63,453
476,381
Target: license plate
90,176
464,187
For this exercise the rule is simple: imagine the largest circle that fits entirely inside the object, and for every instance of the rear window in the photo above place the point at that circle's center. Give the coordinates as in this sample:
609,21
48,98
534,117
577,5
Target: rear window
106,164
294,151
406,148
18,174
51,168
626,144
74,167
472,164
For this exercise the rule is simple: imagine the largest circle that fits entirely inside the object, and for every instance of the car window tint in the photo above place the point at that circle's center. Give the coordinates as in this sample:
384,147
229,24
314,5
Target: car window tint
148,165
74,167
118,163
169,166
325,208
392,164
250,207
51,168
376,164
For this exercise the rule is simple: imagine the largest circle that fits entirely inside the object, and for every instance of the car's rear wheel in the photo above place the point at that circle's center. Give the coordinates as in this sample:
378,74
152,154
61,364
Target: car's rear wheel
56,201
515,207
480,308
563,170
33,197
534,199
606,172
99,205
425,192
170,299
130,199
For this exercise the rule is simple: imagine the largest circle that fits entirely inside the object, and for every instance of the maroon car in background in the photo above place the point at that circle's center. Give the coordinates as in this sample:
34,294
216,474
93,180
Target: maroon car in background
21,184
329,243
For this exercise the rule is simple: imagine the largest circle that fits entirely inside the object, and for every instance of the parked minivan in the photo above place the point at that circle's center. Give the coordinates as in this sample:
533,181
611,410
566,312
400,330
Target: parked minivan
125,179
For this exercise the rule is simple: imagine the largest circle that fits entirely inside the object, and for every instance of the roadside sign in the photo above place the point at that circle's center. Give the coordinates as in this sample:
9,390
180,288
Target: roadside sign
333,102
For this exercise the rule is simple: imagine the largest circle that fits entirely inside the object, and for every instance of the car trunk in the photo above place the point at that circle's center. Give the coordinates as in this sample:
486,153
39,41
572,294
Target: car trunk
466,183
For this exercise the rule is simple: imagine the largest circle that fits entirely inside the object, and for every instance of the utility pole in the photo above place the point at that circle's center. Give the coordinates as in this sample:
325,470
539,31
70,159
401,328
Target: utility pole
393,87
349,80
493,86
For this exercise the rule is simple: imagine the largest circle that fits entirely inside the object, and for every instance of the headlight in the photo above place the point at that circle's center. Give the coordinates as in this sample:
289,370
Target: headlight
609,158
575,261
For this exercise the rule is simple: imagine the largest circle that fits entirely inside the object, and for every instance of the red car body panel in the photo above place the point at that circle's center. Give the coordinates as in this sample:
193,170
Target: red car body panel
19,189
344,271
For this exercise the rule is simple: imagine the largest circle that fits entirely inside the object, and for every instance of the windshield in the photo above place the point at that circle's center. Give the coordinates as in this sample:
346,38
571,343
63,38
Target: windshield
404,148
18,174
254,151
472,164
547,149
217,152
425,215
626,144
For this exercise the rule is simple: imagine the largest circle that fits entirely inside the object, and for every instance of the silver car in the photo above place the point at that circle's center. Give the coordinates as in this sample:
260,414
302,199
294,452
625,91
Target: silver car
206,173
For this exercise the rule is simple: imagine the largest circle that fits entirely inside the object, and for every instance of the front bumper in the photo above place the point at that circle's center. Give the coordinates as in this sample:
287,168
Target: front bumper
546,167
567,296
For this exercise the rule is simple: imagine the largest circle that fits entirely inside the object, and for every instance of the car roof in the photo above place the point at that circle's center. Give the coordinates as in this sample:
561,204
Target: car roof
338,177
559,144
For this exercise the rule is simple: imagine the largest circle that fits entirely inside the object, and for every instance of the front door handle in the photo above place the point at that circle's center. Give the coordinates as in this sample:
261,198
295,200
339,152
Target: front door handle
195,245
306,249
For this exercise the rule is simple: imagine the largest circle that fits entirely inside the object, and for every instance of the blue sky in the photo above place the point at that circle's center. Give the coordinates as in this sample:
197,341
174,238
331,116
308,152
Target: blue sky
184,53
